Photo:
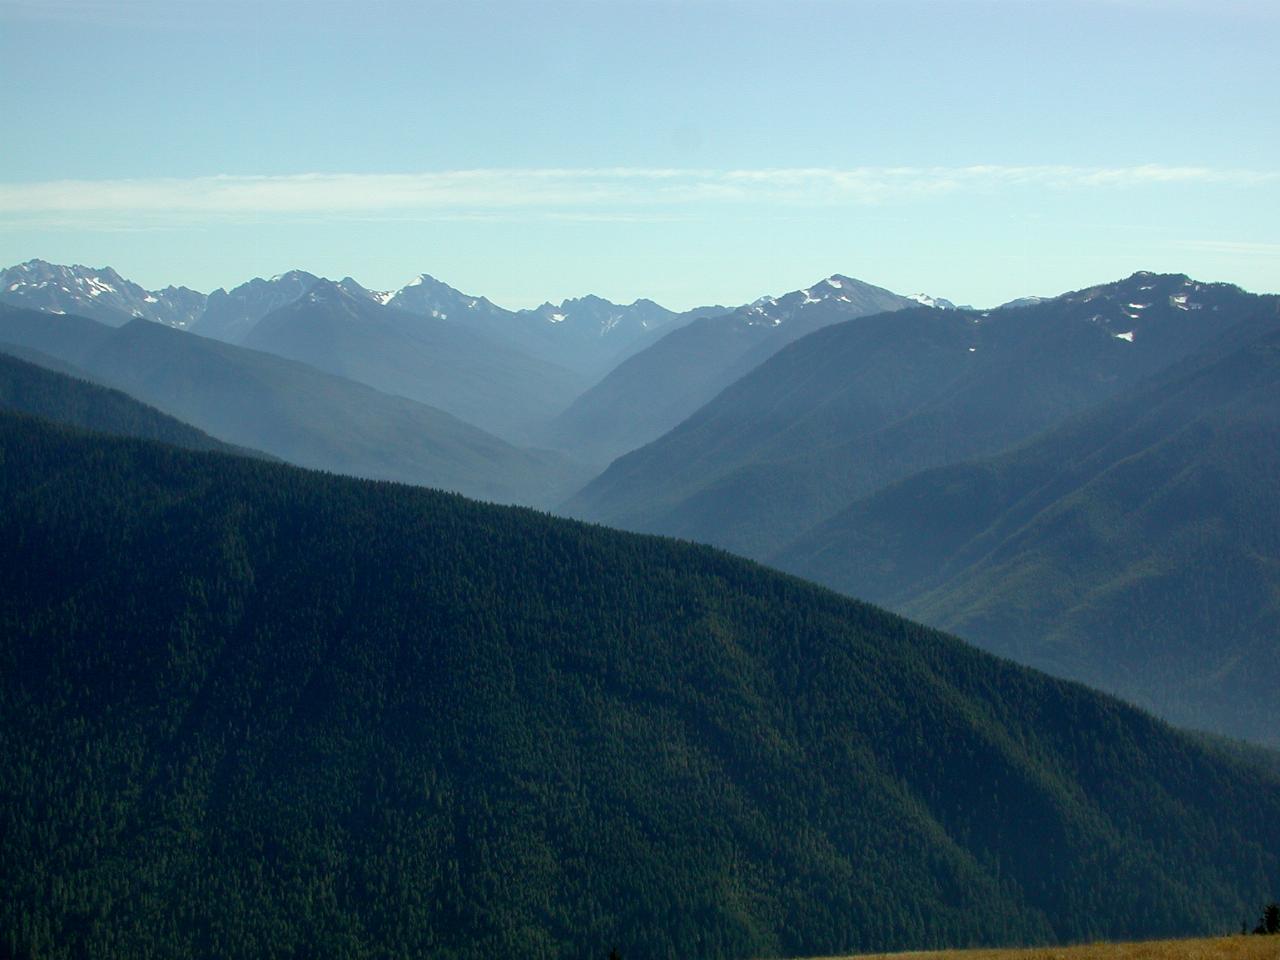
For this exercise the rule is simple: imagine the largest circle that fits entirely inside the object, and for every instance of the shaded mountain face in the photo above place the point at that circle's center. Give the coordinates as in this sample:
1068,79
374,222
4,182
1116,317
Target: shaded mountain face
1134,547
229,316
654,390
367,720
294,411
428,359
32,389
96,292
853,407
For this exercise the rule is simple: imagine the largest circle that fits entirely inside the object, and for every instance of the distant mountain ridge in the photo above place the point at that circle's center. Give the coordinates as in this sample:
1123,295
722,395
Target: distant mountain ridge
429,359
863,403
940,302
587,334
231,315
294,411
98,293
654,390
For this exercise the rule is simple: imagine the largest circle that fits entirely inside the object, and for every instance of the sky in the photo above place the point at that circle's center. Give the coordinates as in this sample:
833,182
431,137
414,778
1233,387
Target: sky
689,151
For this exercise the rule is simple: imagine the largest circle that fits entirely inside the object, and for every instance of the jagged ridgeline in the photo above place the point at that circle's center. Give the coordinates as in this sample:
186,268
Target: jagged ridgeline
252,711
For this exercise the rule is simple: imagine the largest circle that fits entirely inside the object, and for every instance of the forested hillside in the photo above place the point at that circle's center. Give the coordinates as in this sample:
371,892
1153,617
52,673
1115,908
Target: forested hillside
248,710
35,390
1134,548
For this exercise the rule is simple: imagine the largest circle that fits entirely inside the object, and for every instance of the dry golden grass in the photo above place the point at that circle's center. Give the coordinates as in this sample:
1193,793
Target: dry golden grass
1216,948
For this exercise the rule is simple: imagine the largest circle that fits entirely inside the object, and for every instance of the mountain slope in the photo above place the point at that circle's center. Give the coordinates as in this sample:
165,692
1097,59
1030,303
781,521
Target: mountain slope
594,335
28,388
293,411
252,711
230,315
1136,547
852,407
96,292
588,335
433,361
654,390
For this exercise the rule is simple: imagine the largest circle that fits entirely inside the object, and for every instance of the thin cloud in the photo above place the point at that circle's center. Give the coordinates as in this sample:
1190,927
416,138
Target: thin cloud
615,193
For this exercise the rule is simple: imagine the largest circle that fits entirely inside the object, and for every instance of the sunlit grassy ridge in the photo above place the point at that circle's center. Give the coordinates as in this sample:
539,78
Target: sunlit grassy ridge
1211,948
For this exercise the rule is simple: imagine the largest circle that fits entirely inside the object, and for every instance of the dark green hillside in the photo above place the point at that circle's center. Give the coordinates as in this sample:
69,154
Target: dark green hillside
1136,547
27,388
852,407
294,411
250,711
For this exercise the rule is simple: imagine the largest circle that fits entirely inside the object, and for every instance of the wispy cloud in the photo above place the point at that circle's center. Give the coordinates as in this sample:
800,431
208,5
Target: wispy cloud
615,193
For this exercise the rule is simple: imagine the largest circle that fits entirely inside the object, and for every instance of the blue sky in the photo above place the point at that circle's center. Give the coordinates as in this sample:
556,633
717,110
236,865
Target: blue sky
696,151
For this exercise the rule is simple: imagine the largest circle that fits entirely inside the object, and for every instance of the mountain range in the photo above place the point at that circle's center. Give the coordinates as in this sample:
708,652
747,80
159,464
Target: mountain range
293,411
587,335
816,431
98,293
433,361
251,710
1133,547
863,403
655,389
231,315
1126,540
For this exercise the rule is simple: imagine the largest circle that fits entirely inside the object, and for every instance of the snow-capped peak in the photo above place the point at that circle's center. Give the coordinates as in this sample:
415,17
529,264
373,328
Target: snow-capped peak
938,303
96,292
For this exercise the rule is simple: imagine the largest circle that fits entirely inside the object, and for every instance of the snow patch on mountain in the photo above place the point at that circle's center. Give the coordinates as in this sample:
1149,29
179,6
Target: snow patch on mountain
938,303
96,292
